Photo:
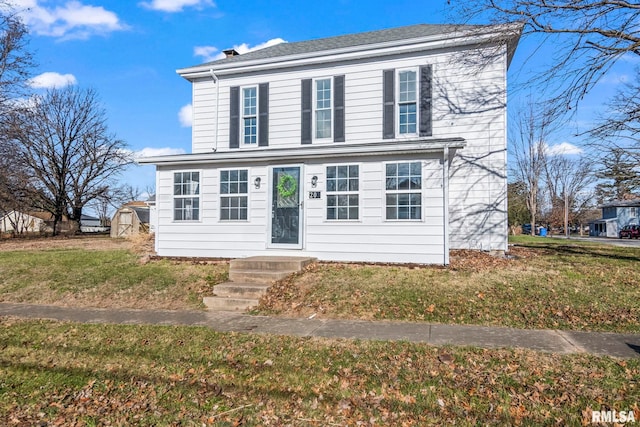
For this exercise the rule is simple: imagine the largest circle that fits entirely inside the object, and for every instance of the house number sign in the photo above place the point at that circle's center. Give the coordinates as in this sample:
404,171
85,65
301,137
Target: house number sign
314,194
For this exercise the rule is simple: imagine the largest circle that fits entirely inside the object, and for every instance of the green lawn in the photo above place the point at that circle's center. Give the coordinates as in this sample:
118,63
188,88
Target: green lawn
551,283
84,375
104,278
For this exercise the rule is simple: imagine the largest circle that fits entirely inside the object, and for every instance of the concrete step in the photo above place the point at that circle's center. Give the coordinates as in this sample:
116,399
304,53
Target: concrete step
271,263
257,276
229,304
240,290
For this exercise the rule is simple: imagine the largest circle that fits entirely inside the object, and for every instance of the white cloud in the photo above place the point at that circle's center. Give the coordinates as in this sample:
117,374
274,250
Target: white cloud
185,115
564,148
74,20
153,152
52,80
208,53
176,5
211,53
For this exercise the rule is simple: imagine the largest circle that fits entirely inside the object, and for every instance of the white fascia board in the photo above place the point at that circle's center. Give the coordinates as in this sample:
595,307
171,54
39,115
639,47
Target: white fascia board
448,40
304,153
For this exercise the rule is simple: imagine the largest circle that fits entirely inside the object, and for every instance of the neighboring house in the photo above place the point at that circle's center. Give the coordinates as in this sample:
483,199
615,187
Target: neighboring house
387,146
615,215
24,222
130,219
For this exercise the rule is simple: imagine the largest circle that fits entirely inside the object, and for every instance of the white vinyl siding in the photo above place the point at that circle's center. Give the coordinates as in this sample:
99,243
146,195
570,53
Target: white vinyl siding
186,196
468,103
234,187
343,198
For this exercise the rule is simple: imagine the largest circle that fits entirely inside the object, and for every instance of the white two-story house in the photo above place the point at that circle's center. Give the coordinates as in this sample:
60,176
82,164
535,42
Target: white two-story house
386,146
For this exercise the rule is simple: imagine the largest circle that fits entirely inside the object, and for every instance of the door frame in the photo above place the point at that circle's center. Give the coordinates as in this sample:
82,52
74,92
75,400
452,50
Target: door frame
272,183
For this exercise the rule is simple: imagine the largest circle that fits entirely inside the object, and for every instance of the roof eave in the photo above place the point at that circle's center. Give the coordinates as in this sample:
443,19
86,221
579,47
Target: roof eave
417,146
509,33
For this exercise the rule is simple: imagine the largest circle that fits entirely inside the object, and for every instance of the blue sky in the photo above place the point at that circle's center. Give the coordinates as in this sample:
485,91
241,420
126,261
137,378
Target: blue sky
129,50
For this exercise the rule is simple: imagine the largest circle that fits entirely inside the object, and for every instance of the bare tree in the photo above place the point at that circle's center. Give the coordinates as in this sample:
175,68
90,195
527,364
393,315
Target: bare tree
528,148
588,38
621,124
569,182
16,61
64,142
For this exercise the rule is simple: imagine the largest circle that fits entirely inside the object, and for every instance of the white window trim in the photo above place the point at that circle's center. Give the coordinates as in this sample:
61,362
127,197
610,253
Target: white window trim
243,144
397,103
314,109
327,193
174,197
385,192
220,196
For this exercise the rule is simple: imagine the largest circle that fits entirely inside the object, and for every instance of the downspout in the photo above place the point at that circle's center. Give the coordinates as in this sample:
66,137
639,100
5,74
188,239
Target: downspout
445,199
216,80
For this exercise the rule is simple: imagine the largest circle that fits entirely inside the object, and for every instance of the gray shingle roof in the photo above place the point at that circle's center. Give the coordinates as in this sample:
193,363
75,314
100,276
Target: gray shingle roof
349,40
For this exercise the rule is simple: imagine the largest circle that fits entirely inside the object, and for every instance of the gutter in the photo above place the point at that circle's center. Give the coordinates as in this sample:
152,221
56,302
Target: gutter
420,146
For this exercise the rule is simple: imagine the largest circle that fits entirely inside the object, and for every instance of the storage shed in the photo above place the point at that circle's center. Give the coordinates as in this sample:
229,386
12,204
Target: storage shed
130,219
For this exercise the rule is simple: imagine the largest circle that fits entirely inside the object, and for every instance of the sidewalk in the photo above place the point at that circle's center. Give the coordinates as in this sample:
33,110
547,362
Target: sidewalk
599,343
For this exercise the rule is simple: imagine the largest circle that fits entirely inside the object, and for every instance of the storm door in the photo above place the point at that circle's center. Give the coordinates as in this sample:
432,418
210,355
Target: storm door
285,206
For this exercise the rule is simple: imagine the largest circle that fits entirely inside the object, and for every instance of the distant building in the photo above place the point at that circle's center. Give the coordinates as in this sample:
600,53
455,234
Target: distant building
615,215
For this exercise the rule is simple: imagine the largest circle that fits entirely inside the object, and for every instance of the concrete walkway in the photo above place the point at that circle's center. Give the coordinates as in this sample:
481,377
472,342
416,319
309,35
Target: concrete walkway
599,343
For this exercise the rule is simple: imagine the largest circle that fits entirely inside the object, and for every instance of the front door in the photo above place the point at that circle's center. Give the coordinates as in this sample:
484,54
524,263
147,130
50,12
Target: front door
285,206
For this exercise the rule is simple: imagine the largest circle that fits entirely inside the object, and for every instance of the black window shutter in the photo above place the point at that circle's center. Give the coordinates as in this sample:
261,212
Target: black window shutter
234,117
306,111
338,109
388,112
426,95
263,112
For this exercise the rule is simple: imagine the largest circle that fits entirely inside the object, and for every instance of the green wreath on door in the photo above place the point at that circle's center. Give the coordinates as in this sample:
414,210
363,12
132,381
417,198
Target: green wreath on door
287,186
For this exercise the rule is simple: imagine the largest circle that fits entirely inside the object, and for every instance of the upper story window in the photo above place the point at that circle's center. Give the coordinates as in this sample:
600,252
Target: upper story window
323,108
343,200
407,102
234,188
250,115
186,196
404,190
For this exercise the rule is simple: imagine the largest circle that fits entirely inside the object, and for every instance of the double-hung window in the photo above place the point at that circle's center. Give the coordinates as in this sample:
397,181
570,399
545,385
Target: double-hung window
186,196
234,185
407,102
323,108
342,192
250,115
404,190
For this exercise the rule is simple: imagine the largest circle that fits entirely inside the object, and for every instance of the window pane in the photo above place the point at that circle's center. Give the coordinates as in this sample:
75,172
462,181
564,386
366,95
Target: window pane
343,213
331,213
243,174
331,200
331,185
392,184
353,213
331,171
353,200
343,185
391,212
353,184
